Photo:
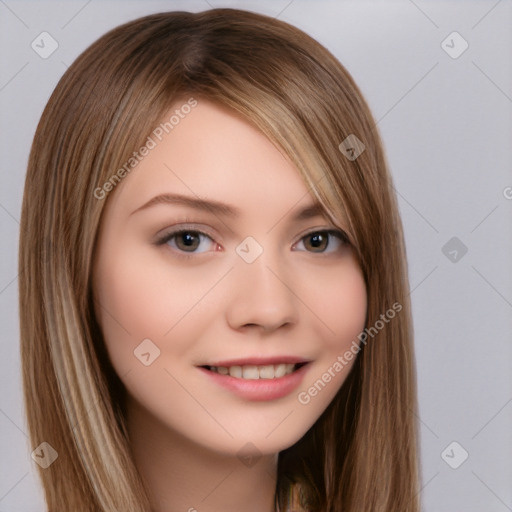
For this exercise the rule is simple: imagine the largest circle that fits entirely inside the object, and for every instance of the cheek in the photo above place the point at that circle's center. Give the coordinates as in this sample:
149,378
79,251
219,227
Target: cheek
133,301
140,296
350,319
341,307
339,301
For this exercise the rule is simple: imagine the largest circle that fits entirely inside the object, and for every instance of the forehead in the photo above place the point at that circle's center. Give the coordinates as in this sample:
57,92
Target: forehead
210,151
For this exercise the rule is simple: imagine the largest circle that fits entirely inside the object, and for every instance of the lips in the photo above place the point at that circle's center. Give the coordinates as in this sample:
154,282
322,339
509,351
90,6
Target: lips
258,379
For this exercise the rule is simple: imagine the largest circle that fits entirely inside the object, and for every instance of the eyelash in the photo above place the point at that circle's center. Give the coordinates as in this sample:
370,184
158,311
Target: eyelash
164,239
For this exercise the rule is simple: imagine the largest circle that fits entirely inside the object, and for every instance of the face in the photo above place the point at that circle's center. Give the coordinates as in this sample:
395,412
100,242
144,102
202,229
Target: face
224,296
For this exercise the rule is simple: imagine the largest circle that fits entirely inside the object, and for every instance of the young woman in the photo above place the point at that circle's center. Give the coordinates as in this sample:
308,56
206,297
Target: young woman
213,289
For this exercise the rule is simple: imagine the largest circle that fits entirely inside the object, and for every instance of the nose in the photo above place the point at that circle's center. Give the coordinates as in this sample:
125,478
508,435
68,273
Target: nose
262,295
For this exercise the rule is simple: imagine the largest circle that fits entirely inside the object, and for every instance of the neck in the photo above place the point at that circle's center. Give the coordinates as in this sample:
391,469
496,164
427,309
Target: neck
183,476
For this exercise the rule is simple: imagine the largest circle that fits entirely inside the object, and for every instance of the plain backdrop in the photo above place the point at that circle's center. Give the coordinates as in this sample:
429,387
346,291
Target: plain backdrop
445,114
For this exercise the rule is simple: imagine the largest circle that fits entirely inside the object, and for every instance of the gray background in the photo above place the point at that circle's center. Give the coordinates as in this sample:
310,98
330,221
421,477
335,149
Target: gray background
447,127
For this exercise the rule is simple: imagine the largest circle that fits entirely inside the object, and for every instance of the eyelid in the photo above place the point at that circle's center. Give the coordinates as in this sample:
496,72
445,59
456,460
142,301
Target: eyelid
343,235
163,240
168,232
341,241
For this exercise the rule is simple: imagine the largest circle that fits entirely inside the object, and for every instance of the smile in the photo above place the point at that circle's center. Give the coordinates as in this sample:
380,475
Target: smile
263,382
270,371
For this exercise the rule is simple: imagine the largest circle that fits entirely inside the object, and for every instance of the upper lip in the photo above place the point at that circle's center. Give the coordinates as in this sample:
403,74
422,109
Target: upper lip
259,361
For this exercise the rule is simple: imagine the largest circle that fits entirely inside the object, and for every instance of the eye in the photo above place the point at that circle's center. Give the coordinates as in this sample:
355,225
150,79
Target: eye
323,241
189,241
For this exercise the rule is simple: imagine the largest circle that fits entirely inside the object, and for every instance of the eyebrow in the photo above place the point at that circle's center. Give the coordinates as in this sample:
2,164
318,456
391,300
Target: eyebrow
219,208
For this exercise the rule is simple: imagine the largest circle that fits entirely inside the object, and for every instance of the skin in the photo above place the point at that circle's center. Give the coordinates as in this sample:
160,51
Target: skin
185,430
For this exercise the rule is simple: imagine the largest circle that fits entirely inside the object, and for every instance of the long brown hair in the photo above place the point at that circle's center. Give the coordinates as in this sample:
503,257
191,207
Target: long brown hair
362,453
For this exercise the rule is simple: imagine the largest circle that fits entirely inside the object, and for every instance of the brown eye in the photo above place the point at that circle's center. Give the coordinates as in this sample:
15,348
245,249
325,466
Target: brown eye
316,242
188,241
323,241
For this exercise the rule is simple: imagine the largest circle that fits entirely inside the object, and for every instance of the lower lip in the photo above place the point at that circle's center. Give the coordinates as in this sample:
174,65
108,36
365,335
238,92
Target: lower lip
259,390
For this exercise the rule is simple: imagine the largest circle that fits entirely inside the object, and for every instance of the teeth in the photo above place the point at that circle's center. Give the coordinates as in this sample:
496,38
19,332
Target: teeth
250,372
255,372
267,372
235,371
280,370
